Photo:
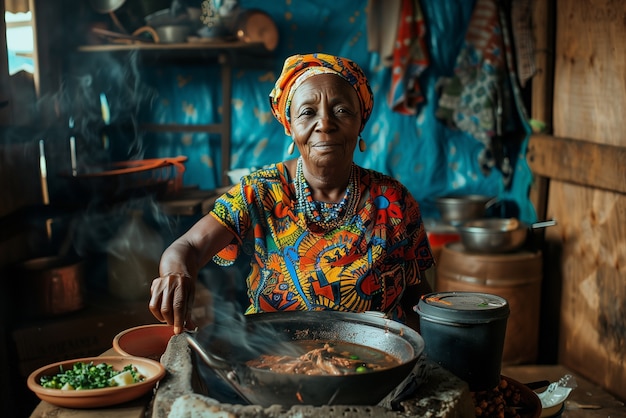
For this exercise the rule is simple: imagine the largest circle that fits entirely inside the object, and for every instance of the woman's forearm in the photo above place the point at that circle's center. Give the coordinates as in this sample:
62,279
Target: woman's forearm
189,253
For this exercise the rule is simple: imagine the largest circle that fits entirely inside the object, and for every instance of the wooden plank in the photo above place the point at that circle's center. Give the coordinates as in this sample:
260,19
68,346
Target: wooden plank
6,115
215,46
178,127
542,85
580,162
589,243
543,80
590,86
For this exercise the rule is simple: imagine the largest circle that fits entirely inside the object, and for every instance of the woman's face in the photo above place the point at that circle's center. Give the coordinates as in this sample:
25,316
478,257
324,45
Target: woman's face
325,119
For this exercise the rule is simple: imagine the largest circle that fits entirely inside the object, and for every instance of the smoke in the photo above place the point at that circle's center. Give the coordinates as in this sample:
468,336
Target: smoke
91,121
100,102
230,333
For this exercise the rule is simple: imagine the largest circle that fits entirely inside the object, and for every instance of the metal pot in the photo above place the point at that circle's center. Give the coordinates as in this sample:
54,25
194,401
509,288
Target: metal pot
497,235
271,332
50,286
458,209
128,15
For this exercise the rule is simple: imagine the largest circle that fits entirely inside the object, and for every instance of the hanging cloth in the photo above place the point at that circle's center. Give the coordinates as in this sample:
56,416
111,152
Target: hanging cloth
382,28
477,99
410,59
522,32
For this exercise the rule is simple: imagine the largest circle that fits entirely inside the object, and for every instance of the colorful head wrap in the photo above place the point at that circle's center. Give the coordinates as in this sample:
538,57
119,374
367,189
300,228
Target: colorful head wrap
298,68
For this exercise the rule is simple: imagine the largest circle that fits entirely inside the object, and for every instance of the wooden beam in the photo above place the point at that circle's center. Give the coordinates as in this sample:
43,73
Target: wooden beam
580,162
542,89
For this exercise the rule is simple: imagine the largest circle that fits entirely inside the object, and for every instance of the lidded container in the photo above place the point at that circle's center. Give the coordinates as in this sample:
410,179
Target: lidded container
464,333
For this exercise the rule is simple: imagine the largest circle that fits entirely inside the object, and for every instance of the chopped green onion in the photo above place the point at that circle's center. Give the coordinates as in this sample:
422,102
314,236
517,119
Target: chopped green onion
87,376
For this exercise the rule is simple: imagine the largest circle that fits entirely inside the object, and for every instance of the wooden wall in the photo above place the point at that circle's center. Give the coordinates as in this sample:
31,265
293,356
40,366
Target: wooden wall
585,162
5,109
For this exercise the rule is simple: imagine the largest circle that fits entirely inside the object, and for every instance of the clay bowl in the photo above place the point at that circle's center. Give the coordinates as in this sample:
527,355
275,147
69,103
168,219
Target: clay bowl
149,341
96,398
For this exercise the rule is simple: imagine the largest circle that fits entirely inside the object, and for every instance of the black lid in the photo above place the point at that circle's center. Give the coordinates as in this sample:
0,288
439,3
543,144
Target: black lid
462,307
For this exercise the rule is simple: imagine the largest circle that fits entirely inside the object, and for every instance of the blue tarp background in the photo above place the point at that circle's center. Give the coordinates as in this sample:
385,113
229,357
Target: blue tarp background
430,158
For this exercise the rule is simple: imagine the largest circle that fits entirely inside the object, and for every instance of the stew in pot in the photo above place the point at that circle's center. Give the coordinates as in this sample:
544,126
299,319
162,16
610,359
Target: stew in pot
322,357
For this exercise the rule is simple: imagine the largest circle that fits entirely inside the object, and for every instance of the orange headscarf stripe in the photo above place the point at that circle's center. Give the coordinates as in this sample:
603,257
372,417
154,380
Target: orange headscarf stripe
298,65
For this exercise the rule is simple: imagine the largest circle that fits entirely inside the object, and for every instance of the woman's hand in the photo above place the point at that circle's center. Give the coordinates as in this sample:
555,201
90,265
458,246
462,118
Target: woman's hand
172,300
173,292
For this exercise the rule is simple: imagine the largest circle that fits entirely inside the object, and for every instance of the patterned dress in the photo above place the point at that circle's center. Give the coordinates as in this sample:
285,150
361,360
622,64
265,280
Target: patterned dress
364,265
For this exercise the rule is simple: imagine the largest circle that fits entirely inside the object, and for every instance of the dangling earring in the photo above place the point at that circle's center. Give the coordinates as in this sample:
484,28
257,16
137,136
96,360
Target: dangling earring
291,147
362,144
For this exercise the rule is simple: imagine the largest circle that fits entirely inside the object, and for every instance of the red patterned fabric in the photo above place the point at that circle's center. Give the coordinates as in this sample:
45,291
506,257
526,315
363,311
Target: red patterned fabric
410,59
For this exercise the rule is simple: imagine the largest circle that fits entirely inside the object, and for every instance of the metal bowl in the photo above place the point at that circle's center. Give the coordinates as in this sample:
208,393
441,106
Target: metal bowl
457,209
497,235
493,235
174,33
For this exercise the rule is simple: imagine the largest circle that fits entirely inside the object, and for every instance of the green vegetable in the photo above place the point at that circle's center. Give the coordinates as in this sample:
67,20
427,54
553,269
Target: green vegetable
361,369
87,376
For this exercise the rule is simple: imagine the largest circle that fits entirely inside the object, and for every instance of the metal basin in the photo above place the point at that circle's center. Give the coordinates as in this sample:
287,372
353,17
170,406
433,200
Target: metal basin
458,209
497,235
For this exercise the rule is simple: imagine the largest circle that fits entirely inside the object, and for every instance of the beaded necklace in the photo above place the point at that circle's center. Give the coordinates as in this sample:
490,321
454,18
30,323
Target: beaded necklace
324,215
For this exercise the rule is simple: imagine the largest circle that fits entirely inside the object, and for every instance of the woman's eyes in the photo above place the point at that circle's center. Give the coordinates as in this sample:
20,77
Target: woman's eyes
338,110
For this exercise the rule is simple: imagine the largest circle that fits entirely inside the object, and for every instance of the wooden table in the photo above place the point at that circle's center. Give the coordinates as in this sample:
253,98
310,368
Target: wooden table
577,405
587,400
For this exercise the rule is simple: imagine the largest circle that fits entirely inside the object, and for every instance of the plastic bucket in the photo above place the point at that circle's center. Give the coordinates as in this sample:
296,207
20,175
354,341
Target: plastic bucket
464,333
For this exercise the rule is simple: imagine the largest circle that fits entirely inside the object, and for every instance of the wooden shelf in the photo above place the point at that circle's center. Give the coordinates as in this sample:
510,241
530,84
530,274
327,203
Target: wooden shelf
226,53
213,45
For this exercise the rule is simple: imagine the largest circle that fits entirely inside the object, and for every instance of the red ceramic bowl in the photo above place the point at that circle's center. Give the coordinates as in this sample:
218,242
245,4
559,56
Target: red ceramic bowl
148,341
96,398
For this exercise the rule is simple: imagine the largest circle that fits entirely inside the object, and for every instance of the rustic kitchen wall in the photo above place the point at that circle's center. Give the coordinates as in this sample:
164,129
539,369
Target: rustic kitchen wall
426,151
431,157
583,162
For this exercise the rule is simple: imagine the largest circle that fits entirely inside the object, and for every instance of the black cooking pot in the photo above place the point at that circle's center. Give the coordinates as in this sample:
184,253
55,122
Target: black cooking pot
270,333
